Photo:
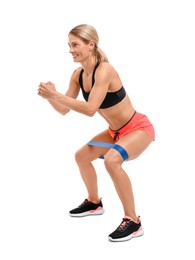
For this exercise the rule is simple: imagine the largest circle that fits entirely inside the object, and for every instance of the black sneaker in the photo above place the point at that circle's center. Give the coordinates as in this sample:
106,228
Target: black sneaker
87,208
126,231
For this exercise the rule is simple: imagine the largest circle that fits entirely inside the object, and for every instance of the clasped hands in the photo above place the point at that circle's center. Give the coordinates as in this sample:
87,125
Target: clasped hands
46,90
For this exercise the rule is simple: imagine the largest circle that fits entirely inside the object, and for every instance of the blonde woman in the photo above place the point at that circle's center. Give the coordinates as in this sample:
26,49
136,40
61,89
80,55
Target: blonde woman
128,134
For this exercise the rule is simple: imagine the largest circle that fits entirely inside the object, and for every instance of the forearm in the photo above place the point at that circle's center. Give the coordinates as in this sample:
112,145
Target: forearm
73,104
58,106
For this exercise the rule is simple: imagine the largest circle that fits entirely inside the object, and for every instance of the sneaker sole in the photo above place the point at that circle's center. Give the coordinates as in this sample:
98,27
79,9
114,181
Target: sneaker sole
88,213
133,235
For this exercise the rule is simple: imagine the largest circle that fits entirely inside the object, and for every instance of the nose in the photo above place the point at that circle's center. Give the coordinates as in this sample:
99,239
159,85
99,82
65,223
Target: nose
71,50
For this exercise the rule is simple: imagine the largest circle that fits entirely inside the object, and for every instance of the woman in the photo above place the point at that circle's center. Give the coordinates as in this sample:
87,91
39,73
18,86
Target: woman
129,132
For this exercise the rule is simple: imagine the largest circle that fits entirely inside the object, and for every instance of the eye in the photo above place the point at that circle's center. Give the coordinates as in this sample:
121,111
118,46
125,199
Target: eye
74,45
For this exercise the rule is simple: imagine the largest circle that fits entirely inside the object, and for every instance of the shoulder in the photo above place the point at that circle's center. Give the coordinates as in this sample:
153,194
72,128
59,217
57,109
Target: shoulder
75,74
105,68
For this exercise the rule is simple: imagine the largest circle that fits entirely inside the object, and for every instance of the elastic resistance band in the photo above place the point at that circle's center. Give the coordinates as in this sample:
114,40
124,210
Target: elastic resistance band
117,147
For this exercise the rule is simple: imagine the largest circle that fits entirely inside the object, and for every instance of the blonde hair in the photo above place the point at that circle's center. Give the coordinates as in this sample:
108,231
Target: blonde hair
88,33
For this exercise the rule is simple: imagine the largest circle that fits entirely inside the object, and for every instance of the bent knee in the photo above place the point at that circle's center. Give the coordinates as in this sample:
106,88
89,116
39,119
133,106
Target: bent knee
112,163
79,156
83,156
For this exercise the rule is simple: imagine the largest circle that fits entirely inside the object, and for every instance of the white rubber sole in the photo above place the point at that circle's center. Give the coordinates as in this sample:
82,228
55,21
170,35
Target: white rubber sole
88,213
133,235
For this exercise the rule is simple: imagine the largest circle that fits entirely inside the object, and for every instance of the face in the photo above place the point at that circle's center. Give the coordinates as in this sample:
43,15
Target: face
80,51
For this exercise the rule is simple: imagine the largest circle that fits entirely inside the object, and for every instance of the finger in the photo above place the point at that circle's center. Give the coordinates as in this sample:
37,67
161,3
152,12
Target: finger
43,85
50,83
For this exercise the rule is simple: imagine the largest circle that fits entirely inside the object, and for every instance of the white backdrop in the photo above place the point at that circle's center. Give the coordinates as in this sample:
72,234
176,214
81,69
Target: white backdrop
151,44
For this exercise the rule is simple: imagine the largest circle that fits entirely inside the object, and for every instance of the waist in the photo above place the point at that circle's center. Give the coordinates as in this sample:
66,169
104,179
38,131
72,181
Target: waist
124,124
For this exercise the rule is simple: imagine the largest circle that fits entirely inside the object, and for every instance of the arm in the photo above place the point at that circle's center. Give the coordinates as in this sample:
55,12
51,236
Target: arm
72,91
58,107
96,97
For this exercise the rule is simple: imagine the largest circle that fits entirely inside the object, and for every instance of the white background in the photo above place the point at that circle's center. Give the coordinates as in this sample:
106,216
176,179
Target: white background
151,44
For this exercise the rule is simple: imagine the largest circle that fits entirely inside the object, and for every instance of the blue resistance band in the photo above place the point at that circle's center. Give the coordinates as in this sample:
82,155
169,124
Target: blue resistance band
117,147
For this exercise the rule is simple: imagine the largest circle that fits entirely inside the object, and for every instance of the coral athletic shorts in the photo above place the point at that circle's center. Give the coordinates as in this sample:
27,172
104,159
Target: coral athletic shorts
137,122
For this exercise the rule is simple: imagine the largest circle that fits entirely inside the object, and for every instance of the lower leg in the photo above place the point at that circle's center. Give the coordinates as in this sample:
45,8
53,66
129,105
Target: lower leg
89,177
124,190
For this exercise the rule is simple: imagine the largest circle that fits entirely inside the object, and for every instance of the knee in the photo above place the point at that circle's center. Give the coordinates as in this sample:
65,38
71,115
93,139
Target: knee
112,164
79,156
83,156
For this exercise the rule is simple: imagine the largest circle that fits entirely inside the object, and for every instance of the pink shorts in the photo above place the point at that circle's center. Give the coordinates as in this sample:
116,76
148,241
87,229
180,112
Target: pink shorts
137,122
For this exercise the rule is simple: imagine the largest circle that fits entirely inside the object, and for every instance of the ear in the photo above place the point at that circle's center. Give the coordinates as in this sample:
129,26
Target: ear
91,45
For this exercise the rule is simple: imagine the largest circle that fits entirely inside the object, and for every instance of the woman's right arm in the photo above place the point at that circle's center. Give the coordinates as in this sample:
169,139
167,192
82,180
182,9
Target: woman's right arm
73,91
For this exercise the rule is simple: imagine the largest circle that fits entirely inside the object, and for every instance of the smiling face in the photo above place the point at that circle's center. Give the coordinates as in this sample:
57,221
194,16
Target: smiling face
79,49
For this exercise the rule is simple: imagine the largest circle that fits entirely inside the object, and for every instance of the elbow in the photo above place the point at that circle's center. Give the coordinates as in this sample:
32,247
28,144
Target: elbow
64,112
91,112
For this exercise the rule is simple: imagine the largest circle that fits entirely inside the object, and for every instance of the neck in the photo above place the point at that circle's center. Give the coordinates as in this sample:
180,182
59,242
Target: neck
89,66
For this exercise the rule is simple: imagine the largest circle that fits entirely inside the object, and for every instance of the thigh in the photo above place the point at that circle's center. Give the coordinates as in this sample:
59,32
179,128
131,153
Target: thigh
90,153
135,143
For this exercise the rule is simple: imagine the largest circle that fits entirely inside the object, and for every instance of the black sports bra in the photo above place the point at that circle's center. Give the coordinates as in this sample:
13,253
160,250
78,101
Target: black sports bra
111,99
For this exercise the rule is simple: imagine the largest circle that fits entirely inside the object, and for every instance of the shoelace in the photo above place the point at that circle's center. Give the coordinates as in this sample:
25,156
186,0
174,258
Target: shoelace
84,202
123,224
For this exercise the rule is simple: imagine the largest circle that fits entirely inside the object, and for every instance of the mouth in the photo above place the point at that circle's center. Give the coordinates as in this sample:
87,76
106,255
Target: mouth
74,56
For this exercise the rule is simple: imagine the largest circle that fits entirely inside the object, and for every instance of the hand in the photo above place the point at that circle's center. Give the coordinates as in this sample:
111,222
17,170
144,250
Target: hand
46,90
